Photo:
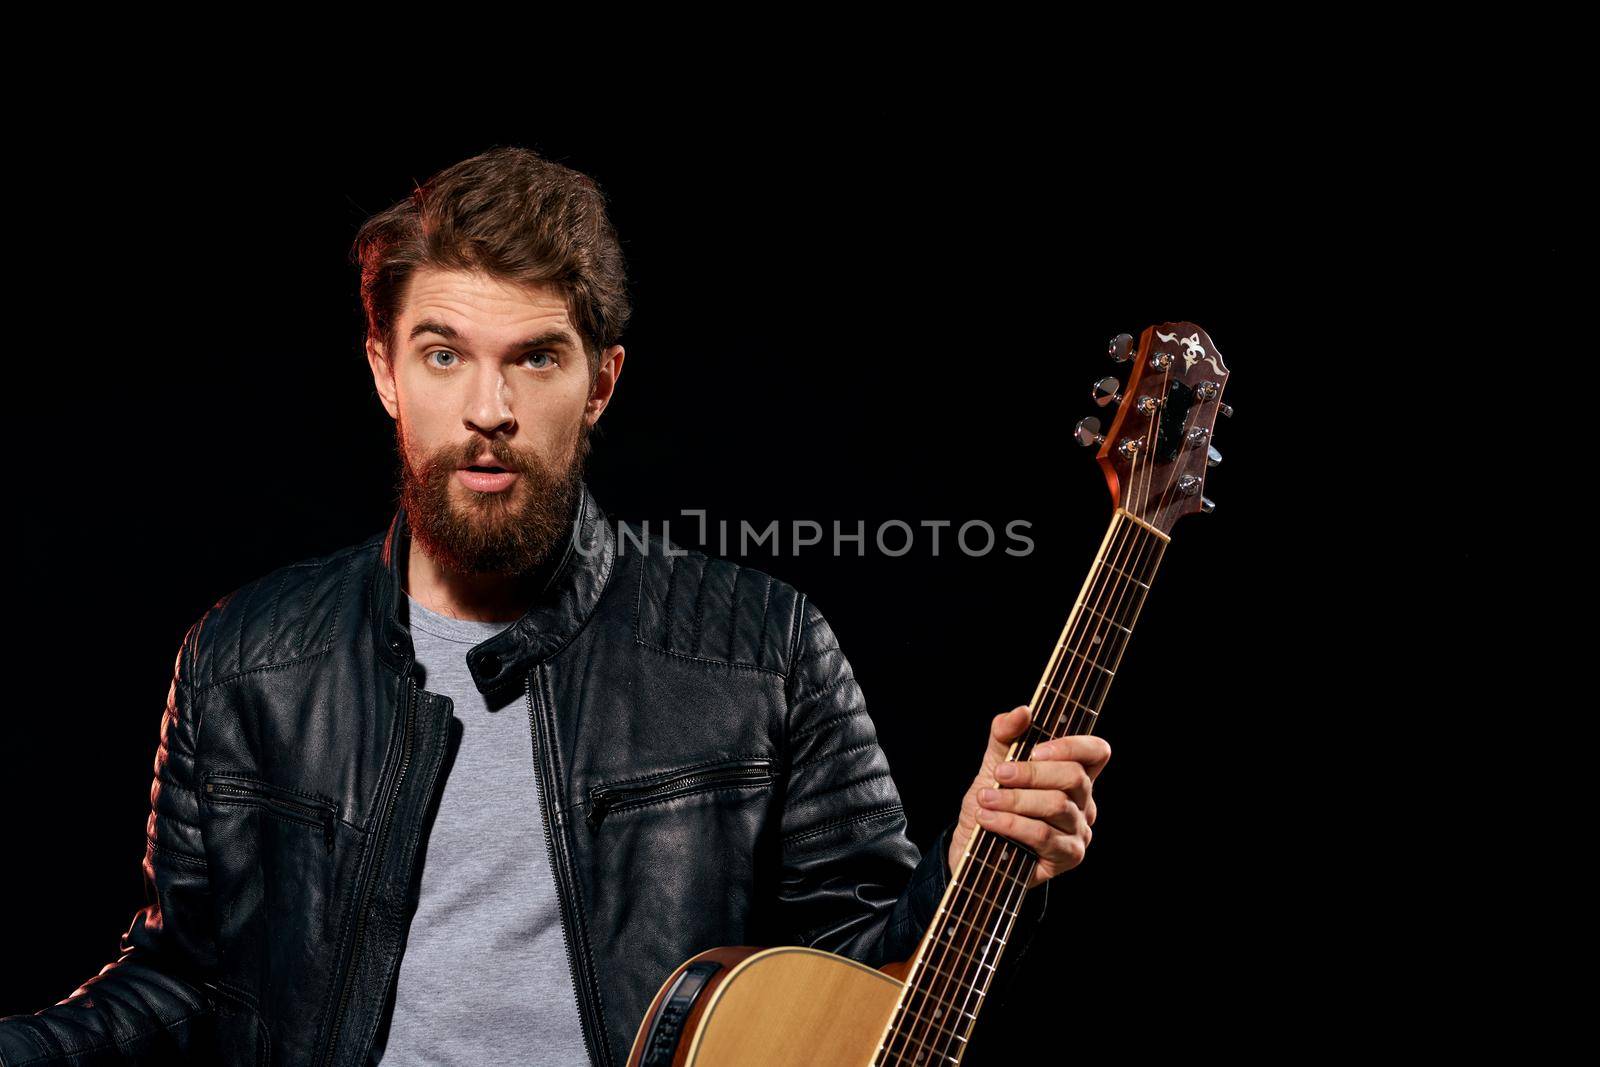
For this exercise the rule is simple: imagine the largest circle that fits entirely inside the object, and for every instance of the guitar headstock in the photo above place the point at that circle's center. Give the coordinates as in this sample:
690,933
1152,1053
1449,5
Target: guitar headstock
1158,446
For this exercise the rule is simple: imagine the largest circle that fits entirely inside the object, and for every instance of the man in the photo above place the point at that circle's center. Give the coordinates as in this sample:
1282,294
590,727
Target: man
470,790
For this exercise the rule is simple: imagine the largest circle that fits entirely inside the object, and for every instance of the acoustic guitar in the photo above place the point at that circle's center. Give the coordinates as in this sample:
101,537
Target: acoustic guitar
788,1006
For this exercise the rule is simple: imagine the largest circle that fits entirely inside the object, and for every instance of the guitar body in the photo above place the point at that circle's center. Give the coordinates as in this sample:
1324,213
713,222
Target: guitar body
777,1007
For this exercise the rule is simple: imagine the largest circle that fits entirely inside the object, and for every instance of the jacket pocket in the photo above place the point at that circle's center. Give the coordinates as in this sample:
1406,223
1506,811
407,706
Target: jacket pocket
309,808
604,799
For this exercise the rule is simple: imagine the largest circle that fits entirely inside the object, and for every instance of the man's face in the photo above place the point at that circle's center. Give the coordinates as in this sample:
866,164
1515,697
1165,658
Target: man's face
492,399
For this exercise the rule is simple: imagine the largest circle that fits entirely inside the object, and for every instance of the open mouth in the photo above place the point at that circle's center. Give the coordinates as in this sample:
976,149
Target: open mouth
486,478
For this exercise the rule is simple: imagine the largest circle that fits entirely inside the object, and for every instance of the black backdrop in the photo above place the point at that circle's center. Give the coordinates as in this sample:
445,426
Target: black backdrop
864,312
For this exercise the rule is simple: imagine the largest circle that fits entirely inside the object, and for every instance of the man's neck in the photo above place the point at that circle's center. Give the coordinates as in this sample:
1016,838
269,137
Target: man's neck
478,597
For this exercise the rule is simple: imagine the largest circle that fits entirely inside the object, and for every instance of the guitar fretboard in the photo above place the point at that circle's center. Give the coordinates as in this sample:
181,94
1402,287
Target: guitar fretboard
960,952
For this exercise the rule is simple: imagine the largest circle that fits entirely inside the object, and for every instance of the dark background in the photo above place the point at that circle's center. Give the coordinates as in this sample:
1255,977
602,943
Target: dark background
875,310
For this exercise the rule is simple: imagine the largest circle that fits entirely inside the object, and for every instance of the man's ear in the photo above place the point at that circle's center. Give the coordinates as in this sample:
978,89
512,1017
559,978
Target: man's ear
605,383
382,377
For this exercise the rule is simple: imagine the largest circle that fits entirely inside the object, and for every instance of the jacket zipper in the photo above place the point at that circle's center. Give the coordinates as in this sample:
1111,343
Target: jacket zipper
320,814
609,798
364,893
565,893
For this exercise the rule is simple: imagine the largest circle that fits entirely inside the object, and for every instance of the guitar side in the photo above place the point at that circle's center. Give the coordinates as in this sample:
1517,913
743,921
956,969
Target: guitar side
783,1007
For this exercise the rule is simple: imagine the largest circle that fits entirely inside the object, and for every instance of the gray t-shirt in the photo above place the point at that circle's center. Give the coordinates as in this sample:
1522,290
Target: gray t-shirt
484,976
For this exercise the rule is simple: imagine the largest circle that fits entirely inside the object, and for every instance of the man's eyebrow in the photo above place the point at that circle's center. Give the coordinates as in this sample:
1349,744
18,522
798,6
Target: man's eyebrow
555,337
443,329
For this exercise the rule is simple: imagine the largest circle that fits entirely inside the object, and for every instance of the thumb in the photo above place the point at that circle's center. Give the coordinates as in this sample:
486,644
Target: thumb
1004,731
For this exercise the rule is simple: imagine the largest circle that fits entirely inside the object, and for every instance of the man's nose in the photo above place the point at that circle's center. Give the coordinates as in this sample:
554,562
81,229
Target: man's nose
489,403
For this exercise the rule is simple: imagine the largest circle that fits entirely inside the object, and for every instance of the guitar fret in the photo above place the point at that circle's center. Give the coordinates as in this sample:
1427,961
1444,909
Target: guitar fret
920,1057
1090,692
1095,629
969,1016
920,1053
1107,618
1016,876
950,946
975,927
1043,709
936,1025
1013,912
1087,660
930,1018
1078,704
1101,562
921,1016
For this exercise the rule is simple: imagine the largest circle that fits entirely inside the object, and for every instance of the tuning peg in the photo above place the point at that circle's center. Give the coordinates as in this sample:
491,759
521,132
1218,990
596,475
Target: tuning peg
1121,348
1225,409
1207,506
1088,432
1213,457
1107,391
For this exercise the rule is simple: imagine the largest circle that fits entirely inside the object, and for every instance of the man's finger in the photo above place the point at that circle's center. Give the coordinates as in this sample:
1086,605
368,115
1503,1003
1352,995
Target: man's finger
1059,775
1006,728
1091,751
1051,805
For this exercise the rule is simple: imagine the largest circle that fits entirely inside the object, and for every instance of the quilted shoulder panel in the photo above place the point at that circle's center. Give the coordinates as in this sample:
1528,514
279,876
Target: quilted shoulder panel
297,610
694,605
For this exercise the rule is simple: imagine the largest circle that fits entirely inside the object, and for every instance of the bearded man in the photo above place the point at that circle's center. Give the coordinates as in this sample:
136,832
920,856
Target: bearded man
470,790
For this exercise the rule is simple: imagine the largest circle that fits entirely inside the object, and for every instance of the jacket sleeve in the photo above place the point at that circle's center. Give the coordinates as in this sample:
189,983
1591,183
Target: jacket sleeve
148,1006
853,883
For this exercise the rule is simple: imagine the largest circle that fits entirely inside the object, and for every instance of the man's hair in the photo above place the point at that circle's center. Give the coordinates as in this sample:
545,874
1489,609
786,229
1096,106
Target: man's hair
514,215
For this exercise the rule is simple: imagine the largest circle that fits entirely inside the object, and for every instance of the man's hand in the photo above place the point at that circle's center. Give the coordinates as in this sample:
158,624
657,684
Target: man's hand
1045,804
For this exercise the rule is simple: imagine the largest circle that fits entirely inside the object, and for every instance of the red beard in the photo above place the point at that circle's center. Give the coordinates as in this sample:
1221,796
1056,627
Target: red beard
510,532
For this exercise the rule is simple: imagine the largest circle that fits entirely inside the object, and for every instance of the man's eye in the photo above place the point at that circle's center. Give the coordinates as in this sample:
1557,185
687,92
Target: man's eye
539,355
440,352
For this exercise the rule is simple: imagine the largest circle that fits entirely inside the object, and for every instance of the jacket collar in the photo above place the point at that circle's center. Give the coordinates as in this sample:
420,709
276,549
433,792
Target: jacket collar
560,611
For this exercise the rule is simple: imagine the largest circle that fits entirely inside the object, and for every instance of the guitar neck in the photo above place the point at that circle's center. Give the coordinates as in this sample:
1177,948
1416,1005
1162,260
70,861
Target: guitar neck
1074,685
962,948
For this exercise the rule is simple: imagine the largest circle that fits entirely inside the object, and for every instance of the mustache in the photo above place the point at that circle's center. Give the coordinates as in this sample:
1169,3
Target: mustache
447,460
442,463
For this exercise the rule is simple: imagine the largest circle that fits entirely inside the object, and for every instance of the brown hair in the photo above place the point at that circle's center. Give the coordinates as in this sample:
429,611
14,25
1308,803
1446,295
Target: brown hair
513,214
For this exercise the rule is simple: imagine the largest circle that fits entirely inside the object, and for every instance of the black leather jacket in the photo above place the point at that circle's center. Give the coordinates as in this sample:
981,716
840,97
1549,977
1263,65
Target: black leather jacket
708,770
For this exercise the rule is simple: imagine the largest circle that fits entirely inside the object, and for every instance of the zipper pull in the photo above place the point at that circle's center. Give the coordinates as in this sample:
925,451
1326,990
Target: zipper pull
329,828
597,811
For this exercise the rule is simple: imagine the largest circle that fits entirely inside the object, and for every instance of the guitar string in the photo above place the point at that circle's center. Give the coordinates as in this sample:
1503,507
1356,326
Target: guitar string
1064,696
1106,583
934,957
1152,438
1195,413
992,842
1152,433
985,852
1136,542
1076,686
1118,553
1160,547
1150,542
1127,538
